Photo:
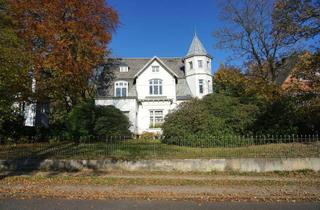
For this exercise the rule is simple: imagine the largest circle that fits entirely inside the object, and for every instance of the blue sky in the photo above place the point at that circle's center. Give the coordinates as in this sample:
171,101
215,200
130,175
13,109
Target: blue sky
165,28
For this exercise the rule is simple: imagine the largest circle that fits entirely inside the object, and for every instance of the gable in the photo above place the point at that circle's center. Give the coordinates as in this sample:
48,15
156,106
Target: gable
156,61
155,70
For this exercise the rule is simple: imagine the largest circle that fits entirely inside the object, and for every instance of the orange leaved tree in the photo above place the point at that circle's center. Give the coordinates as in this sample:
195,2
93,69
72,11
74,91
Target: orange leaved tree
68,39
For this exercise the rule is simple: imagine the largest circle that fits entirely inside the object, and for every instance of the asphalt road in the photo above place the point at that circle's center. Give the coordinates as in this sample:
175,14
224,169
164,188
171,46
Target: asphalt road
54,204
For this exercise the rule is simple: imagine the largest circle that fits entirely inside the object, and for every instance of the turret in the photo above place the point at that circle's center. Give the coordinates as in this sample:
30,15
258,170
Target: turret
198,69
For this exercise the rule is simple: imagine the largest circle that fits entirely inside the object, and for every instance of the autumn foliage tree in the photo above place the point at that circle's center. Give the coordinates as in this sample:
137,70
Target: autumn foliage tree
68,40
233,82
294,20
280,111
15,62
308,71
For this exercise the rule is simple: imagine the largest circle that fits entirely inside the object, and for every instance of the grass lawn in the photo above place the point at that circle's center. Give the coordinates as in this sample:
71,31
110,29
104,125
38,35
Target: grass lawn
153,149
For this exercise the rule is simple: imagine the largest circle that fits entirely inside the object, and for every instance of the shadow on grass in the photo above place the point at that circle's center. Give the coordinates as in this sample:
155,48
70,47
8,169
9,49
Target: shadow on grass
29,162
27,159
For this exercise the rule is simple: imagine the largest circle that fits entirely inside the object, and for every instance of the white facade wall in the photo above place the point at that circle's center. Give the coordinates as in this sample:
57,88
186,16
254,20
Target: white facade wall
30,109
144,114
164,102
30,115
168,82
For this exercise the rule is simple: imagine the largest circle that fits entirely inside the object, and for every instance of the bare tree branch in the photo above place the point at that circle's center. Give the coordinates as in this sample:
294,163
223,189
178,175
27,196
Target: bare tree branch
249,32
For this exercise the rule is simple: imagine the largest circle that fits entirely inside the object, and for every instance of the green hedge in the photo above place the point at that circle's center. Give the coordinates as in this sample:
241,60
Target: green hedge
87,119
201,122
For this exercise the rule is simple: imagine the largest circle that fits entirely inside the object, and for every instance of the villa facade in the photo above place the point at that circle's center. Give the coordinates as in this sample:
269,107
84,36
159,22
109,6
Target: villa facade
147,89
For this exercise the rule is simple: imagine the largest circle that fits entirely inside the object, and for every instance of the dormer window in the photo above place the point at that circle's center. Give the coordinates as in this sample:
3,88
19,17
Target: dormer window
200,65
121,89
124,68
191,65
155,68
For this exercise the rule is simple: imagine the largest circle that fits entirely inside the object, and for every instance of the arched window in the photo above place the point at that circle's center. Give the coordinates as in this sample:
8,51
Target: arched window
121,89
155,87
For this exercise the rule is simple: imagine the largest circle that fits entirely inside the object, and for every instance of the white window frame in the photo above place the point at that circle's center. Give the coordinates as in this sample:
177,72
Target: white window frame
201,86
155,68
156,118
200,64
155,87
121,85
124,68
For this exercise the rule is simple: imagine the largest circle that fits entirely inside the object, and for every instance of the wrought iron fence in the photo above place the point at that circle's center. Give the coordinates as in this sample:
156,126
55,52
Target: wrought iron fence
123,147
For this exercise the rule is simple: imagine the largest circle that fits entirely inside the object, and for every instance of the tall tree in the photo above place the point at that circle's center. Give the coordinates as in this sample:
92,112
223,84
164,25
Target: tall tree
248,34
308,69
68,39
15,83
294,20
231,81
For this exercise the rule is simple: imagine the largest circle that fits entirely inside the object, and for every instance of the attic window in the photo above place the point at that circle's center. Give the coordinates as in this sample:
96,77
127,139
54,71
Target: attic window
124,68
155,68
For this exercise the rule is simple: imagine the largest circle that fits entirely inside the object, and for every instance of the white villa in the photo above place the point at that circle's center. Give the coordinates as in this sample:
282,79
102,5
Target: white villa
146,89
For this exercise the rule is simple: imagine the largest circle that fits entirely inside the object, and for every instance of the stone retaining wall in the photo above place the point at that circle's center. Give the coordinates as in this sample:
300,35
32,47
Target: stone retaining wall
183,165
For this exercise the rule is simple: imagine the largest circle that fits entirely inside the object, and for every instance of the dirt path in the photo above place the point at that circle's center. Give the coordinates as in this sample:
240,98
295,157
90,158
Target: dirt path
196,177
162,186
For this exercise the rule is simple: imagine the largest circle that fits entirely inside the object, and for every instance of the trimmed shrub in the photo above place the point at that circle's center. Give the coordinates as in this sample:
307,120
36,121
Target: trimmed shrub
87,119
111,122
81,119
208,122
13,128
191,125
281,117
237,115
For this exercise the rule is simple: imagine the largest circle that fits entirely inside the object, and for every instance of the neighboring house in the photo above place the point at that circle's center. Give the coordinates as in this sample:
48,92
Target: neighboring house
147,89
285,78
36,114
292,82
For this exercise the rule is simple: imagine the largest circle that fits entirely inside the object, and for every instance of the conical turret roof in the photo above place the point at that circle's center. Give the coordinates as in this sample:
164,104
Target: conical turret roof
196,47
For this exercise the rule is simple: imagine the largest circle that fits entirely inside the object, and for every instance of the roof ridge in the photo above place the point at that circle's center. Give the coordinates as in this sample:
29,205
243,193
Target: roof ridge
129,58
141,58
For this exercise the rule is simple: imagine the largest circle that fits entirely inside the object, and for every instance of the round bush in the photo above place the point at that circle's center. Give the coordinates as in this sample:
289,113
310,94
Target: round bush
111,122
192,125
87,119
